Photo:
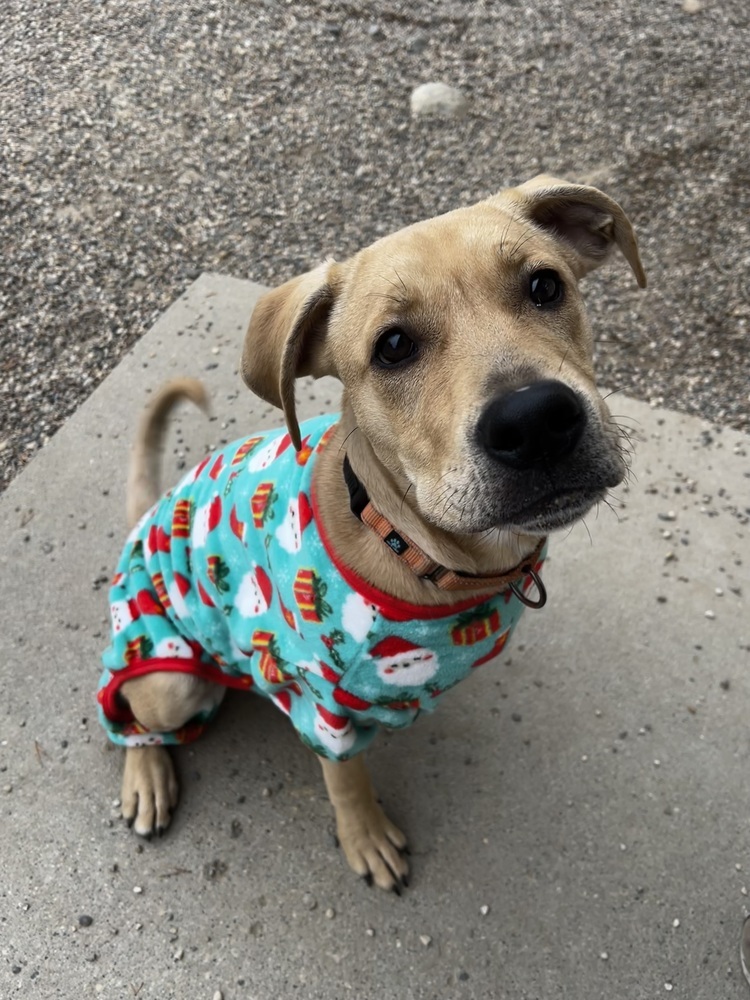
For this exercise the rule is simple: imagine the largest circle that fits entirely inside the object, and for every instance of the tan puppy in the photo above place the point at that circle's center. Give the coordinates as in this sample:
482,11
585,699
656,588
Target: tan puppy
470,413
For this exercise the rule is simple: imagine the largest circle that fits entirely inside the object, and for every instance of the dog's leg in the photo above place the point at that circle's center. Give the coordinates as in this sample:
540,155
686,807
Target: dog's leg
372,844
161,702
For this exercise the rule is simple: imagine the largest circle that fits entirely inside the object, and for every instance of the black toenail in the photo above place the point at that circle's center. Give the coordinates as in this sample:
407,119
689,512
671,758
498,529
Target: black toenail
397,889
368,879
405,881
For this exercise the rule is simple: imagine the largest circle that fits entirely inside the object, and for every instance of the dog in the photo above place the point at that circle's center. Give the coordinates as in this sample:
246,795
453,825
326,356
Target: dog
353,569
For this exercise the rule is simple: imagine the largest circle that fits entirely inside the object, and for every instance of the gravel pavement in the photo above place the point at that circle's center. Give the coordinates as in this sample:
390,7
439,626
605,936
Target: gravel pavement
142,143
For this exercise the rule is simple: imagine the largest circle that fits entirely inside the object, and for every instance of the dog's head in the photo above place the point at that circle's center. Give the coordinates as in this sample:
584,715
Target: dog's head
466,356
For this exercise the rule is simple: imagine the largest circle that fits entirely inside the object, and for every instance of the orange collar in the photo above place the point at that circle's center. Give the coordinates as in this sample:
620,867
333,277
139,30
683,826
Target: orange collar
426,568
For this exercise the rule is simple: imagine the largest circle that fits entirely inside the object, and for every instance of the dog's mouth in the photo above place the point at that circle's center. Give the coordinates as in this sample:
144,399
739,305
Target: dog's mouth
553,512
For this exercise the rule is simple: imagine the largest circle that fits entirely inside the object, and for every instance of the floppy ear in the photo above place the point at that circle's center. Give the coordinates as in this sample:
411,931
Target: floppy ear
583,217
287,338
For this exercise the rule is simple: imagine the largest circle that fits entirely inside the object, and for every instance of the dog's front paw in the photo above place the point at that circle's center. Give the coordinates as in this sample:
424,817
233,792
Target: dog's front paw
373,846
149,790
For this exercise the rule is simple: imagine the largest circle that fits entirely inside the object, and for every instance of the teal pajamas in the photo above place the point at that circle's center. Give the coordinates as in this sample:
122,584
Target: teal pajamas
230,578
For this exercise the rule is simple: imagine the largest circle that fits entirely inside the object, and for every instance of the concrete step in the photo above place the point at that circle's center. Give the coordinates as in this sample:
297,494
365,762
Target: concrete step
591,789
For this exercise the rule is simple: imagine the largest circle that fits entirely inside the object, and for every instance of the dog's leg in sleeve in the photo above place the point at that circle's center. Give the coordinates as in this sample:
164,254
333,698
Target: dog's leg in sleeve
162,702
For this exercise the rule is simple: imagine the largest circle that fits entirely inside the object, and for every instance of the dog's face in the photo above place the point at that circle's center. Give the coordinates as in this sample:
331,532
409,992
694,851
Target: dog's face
464,349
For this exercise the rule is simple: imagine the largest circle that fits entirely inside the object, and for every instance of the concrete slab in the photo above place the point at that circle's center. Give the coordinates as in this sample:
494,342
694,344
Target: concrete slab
591,790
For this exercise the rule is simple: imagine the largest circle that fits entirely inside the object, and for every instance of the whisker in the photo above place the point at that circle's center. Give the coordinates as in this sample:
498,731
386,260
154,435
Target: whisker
591,540
625,416
355,428
622,388
605,501
404,496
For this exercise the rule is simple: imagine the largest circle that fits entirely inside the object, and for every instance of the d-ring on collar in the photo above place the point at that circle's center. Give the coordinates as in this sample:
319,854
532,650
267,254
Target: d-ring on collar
426,568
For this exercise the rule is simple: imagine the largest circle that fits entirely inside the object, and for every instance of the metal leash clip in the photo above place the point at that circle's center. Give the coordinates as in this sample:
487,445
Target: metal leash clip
540,589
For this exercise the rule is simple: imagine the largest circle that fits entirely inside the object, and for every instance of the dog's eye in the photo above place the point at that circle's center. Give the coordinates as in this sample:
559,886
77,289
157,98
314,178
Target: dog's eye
545,288
393,347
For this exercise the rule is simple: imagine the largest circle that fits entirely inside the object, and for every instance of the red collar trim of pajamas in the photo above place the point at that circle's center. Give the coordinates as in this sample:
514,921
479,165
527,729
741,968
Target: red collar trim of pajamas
392,608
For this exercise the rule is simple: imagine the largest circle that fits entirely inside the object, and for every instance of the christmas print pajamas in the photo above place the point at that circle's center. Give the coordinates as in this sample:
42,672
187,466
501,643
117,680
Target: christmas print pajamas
230,577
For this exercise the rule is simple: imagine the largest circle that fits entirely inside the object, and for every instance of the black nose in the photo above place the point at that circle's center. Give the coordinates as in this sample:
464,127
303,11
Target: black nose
538,423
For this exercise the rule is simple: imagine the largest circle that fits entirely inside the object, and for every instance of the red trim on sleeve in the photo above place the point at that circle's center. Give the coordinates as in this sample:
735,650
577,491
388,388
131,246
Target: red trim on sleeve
116,711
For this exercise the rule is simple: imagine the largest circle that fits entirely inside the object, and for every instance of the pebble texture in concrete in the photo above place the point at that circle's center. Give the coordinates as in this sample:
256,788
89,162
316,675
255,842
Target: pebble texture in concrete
578,812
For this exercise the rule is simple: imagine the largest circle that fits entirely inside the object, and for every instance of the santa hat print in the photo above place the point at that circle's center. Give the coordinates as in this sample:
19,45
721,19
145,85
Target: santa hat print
237,526
254,593
298,516
321,669
178,589
262,459
207,518
148,604
335,732
157,540
358,616
123,613
216,468
400,661
205,596
351,701
305,511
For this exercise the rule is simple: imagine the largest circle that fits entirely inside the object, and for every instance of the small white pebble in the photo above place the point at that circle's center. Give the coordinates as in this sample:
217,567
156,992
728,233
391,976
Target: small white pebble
425,939
666,533
675,922
738,866
743,890
604,956
218,995
330,913
668,987
484,910
657,763
214,350
710,614
669,557
8,789
139,927
370,932
719,592
623,847
598,713
116,803
137,889
266,793
584,757
179,954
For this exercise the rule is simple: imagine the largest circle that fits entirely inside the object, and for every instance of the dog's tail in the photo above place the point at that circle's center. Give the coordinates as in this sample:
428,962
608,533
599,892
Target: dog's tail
145,461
